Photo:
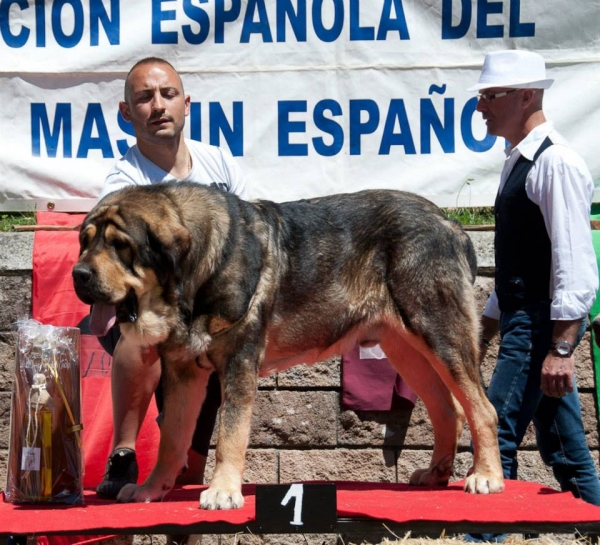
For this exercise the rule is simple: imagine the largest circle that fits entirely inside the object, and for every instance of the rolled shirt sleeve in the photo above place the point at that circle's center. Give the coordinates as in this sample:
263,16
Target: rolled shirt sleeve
561,185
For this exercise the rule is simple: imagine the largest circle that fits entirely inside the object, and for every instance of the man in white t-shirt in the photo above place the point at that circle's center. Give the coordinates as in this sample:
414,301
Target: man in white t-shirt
208,165
156,106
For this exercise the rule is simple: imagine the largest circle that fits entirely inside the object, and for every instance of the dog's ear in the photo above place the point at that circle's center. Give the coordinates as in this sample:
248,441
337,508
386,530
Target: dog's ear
173,237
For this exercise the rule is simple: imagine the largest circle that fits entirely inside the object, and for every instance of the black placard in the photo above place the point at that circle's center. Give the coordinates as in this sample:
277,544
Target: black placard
290,508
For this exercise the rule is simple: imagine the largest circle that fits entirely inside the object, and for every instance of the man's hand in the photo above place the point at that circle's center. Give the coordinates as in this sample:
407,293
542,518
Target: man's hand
489,329
557,375
557,372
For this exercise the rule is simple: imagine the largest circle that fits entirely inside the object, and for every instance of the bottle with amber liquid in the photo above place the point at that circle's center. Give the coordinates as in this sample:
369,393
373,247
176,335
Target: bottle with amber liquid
36,458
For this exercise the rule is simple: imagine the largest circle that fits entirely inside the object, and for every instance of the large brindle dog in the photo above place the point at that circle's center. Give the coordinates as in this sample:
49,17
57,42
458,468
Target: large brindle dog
251,288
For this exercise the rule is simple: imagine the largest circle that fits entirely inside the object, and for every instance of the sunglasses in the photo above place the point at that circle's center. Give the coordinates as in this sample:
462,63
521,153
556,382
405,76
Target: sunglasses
486,97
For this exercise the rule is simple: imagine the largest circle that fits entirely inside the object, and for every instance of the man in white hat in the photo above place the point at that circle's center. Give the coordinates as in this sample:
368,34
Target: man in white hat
546,274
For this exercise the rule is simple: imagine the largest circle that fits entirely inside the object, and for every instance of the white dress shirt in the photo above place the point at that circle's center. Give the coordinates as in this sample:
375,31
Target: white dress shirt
561,185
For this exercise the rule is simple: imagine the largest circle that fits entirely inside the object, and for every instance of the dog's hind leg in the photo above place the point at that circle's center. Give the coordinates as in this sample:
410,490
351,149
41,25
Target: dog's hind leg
446,415
431,288
441,384
184,393
449,339
452,341
486,475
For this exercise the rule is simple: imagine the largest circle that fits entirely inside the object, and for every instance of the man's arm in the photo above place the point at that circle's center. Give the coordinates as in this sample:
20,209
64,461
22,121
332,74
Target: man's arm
561,185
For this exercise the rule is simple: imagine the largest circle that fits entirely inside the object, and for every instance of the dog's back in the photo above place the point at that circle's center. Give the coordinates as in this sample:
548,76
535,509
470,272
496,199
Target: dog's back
353,262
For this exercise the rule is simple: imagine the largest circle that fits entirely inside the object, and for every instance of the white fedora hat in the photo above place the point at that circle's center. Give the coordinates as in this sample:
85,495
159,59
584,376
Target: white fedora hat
513,69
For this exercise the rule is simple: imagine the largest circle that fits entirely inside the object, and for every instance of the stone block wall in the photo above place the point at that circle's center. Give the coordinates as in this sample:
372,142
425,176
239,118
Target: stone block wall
299,430
15,304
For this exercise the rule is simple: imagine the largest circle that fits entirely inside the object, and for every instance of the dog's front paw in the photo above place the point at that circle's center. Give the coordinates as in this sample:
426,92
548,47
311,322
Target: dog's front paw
132,493
214,498
483,484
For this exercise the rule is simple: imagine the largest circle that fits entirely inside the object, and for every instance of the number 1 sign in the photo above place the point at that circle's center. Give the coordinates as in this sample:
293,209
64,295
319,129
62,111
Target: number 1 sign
290,508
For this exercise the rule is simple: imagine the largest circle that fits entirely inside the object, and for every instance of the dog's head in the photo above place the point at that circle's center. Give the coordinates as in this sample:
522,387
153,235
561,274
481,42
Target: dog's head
131,244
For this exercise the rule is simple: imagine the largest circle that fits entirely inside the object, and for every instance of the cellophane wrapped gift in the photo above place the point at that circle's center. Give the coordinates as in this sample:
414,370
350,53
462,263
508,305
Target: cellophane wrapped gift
45,461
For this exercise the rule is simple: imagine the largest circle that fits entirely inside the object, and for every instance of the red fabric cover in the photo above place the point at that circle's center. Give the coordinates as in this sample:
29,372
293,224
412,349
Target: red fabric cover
97,417
373,385
59,218
54,253
521,502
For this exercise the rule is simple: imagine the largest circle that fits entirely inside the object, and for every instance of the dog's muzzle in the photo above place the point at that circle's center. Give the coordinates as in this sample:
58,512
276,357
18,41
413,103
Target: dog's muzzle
83,278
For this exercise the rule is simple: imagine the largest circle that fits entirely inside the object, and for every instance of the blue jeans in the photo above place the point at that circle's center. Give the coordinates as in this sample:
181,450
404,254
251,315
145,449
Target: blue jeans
514,391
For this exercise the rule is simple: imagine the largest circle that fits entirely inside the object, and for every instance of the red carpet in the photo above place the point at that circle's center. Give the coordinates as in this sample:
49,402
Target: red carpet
395,503
520,502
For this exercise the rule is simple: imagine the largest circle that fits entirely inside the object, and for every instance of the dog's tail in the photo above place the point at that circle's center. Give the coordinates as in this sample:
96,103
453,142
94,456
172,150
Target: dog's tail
471,256
468,249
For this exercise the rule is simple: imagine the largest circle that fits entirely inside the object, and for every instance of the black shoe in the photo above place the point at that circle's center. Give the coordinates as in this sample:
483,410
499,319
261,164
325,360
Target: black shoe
121,469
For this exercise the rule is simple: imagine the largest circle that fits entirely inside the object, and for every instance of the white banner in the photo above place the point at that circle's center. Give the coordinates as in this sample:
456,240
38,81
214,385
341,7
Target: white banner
311,96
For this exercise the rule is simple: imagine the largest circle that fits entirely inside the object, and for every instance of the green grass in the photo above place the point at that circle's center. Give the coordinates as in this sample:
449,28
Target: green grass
466,216
471,216
8,219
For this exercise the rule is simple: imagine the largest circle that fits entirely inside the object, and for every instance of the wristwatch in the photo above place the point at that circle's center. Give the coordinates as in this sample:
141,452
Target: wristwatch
563,349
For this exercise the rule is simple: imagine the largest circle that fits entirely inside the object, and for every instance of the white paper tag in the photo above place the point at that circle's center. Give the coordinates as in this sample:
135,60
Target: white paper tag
371,353
31,459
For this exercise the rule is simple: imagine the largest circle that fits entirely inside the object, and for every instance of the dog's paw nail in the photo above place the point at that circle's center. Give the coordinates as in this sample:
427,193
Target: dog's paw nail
221,499
479,484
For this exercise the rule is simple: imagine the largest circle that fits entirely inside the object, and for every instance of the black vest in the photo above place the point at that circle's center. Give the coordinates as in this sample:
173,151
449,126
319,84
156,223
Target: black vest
522,246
